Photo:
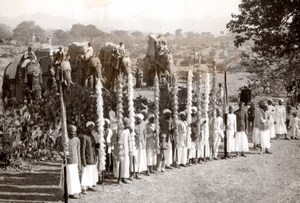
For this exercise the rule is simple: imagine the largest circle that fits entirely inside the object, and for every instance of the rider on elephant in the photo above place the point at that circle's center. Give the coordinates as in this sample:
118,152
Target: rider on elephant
88,52
120,53
29,56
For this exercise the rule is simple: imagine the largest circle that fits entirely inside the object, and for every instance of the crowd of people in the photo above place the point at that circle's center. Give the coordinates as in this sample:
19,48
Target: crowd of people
173,147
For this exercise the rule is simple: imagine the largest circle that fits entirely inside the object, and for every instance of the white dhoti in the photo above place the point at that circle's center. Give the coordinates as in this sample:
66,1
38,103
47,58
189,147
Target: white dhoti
73,179
141,160
241,142
124,167
271,128
280,128
295,132
217,142
168,154
206,147
255,135
192,152
230,141
182,155
264,138
88,176
151,157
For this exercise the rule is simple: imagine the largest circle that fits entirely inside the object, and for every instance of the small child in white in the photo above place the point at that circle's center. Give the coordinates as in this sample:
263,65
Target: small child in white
294,126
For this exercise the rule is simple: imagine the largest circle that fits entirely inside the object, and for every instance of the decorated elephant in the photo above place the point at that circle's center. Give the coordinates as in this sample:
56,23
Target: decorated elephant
157,60
113,64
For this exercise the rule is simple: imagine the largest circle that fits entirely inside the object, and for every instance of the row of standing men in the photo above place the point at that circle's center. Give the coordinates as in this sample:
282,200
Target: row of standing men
175,149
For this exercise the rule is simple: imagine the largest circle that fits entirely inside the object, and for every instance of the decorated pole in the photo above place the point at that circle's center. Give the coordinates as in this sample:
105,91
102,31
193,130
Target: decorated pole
64,139
189,104
120,121
131,116
156,111
213,109
100,122
199,117
205,106
175,107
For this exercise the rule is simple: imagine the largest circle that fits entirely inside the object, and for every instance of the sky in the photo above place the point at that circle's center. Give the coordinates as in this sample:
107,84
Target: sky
131,14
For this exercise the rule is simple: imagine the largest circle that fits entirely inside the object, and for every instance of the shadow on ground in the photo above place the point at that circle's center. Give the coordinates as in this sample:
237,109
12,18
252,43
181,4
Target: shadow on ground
42,185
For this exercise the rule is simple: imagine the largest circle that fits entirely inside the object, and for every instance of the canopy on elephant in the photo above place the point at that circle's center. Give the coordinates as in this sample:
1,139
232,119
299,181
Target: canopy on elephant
11,69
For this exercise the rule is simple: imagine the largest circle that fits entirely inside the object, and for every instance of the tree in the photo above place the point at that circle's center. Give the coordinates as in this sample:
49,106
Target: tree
92,32
61,37
78,31
272,30
137,34
178,33
5,31
23,32
273,26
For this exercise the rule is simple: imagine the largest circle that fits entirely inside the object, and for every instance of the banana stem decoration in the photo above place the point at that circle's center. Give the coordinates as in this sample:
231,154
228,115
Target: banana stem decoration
131,111
156,110
199,113
189,101
205,107
175,102
120,117
100,125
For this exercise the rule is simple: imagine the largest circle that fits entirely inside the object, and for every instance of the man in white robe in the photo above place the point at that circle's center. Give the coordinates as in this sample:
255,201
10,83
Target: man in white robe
181,148
122,158
218,134
150,143
280,119
230,132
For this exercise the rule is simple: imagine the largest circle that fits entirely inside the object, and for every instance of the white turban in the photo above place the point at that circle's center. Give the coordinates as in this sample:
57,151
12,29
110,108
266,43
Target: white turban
107,121
182,113
90,123
140,116
151,116
166,111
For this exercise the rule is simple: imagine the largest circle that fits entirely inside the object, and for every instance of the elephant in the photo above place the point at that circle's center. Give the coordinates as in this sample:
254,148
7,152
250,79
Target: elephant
113,65
90,70
158,59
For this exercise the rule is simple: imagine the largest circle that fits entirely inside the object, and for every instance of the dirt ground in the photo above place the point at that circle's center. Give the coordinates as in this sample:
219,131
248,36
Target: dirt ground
256,178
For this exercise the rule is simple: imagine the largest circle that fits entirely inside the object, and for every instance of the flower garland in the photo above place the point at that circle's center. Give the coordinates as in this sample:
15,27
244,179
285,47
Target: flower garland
199,113
175,101
100,121
205,107
131,112
189,102
156,110
120,151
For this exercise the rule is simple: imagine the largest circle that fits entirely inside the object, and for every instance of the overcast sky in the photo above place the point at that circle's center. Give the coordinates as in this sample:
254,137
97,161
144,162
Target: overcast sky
169,14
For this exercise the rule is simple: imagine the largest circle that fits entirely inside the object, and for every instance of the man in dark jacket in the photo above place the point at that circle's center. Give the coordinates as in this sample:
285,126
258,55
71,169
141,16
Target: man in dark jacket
88,159
73,161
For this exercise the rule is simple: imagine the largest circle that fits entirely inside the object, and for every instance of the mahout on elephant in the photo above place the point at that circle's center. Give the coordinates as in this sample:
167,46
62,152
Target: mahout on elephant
115,61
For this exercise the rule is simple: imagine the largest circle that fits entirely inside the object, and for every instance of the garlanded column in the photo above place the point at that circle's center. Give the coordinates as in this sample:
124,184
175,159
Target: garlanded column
189,102
120,151
131,112
174,92
199,117
205,107
100,122
156,111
